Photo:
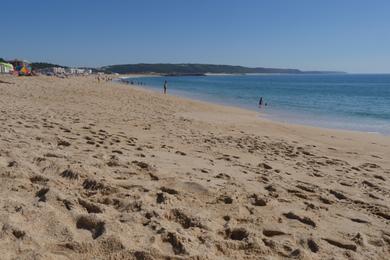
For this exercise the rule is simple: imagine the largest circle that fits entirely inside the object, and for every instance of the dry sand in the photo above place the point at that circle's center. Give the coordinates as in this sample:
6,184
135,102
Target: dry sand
107,171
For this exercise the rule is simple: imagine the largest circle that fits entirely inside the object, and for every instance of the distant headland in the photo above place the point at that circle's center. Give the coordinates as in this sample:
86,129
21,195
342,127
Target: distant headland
184,69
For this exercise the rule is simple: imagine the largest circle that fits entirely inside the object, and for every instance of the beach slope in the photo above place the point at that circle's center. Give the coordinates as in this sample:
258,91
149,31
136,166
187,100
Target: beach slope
106,171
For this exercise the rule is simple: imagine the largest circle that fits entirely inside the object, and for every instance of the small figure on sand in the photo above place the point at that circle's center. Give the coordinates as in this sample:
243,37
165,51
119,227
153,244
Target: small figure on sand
165,87
261,102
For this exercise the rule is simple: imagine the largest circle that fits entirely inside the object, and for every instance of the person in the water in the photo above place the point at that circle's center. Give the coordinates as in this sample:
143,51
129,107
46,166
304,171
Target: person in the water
261,102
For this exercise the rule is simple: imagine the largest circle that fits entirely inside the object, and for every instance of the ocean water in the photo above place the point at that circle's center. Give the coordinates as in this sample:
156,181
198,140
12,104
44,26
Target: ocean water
342,101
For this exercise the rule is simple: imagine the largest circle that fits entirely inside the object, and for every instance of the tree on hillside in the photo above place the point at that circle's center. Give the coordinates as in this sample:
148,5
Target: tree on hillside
43,65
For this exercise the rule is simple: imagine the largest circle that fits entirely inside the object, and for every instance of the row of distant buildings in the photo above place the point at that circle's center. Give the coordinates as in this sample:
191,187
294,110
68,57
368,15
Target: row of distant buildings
64,71
24,68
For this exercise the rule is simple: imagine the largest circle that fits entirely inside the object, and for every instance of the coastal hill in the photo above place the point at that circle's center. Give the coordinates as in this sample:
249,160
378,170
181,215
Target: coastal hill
198,69
44,65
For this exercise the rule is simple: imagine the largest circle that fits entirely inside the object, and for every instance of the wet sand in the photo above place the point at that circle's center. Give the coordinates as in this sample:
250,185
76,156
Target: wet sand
107,171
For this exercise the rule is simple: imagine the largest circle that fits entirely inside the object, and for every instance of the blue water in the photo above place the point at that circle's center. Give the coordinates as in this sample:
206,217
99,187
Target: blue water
342,101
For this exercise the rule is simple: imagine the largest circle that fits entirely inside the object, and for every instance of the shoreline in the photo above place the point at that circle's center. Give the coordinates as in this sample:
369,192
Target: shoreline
261,114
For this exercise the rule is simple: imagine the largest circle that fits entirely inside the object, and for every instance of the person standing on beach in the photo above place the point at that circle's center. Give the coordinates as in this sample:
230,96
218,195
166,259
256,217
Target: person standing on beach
165,87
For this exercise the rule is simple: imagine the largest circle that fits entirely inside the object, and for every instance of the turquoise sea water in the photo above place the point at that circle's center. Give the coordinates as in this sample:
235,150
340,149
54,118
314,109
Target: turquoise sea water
342,101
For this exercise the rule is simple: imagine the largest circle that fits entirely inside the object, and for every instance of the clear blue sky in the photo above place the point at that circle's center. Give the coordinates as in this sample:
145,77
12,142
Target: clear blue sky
348,35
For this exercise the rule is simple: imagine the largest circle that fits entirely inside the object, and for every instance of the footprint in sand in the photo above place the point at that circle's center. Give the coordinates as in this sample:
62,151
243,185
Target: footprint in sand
41,194
92,224
223,176
226,199
273,232
90,184
184,219
176,242
341,244
304,220
70,174
338,195
237,233
38,179
90,207
61,142
257,200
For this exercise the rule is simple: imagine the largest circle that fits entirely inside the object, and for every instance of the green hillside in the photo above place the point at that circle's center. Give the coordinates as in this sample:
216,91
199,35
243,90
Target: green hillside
44,65
180,69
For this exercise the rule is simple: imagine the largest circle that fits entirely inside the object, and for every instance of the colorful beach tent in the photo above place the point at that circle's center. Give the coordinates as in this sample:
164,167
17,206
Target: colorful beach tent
6,67
22,67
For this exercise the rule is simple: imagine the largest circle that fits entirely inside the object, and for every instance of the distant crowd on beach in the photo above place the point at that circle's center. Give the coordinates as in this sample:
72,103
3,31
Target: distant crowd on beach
133,82
140,83
103,78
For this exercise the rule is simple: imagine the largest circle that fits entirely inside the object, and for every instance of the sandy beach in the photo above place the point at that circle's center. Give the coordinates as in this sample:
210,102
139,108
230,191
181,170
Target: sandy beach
109,171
